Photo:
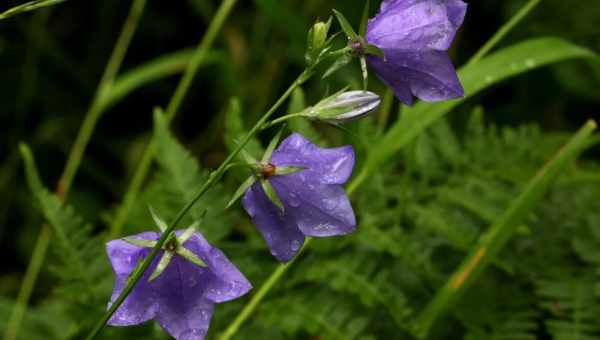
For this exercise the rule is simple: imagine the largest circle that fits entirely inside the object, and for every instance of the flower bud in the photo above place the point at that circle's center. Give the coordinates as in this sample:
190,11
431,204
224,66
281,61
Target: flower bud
317,40
345,106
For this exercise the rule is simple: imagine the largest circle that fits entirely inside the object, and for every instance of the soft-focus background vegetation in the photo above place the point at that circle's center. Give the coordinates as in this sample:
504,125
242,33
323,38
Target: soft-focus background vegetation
417,217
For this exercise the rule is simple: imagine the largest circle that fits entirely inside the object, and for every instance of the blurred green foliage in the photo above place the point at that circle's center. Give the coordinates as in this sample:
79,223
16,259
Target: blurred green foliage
419,213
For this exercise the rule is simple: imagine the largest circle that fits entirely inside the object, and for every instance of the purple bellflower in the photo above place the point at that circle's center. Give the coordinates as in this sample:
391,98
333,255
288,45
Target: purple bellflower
414,36
312,199
188,277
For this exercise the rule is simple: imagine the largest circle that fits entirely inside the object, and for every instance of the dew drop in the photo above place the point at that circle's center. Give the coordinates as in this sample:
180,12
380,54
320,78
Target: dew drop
295,245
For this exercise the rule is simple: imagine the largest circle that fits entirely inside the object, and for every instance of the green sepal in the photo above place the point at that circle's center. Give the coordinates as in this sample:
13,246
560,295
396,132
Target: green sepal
317,41
241,190
365,19
188,255
162,265
337,65
374,50
365,72
140,243
271,194
288,170
346,27
157,220
271,147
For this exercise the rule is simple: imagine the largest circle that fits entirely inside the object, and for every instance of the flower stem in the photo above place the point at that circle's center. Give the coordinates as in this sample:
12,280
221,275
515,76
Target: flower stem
213,178
258,296
73,162
175,102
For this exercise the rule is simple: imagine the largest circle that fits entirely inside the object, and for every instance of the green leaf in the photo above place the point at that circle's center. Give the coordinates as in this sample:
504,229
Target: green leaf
506,63
501,231
365,19
346,27
139,242
161,67
80,262
188,255
287,170
271,147
162,265
162,225
29,6
365,72
271,193
374,50
241,190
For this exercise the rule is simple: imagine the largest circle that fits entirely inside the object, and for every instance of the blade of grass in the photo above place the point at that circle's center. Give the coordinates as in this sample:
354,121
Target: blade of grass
72,165
504,30
28,6
490,243
141,171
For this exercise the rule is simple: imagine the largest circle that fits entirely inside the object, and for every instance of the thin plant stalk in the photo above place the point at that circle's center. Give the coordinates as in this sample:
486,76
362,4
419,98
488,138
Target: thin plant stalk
504,30
500,232
175,102
213,178
73,162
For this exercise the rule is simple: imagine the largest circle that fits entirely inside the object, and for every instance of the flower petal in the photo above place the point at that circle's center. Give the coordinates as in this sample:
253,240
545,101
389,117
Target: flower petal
416,25
183,311
140,305
277,228
319,210
124,256
429,75
324,165
225,282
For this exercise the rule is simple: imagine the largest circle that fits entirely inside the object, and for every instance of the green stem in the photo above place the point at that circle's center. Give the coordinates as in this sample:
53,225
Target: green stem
384,112
142,169
258,296
212,180
73,162
499,233
503,31
282,119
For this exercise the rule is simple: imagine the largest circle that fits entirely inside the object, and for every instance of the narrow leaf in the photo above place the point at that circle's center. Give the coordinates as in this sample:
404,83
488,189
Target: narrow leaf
162,265
241,190
29,6
188,255
346,27
508,62
271,194
271,147
374,50
157,220
501,231
365,19
365,72
140,243
287,170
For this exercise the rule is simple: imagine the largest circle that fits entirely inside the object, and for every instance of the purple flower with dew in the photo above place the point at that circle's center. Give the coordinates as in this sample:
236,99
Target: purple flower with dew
193,276
414,36
313,200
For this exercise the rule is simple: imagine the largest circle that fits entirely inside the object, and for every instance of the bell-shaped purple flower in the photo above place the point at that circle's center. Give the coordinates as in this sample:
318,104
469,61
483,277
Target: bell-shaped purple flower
182,297
414,36
313,199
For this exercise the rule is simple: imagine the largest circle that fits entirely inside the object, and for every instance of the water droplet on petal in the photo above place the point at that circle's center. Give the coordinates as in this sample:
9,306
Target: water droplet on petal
295,245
